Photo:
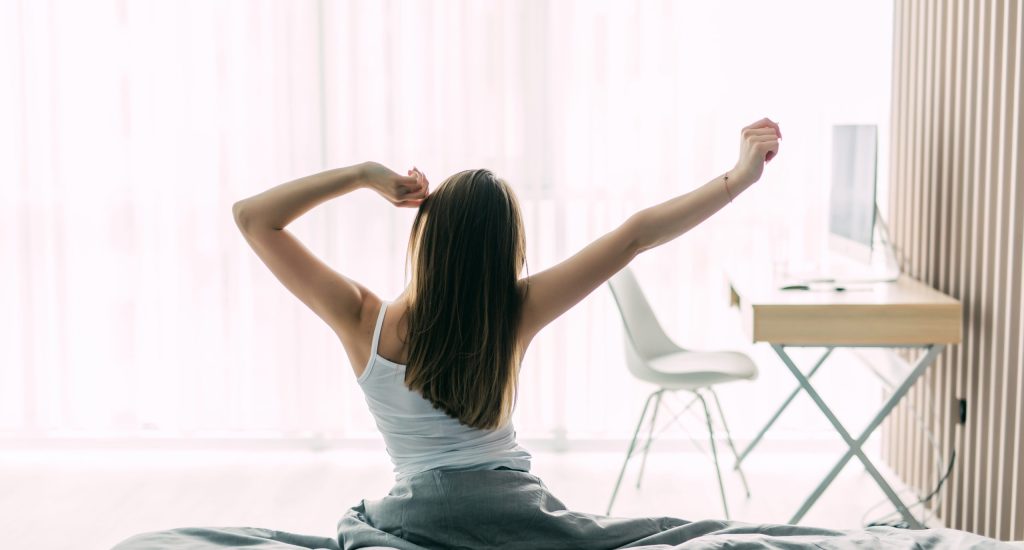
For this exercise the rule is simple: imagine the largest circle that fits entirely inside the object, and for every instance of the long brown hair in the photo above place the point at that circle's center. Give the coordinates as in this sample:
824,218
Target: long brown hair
467,248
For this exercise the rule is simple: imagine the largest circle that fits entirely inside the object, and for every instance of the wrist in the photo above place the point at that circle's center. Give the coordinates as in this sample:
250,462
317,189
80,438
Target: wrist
359,174
348,178
739,179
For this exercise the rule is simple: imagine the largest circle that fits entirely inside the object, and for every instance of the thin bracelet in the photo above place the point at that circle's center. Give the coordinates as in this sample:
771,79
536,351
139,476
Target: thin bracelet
727,192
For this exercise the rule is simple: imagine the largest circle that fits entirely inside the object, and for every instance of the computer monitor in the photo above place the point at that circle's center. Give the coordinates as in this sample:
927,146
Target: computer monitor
851,219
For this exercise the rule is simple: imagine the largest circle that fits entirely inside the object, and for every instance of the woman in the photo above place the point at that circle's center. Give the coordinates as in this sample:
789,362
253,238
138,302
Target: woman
439,366
439,363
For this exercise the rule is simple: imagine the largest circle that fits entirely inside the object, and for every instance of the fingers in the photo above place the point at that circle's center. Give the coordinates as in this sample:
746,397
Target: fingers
409,199
416,173
765,123
767,146
421,178
759,132
413,192
409,191
406,185
415,180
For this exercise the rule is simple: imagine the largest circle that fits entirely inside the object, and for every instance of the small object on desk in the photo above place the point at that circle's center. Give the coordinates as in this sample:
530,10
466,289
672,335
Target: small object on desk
821,287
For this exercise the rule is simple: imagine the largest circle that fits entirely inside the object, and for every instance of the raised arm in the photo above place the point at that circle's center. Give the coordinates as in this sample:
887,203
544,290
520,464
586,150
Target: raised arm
262,219
553,291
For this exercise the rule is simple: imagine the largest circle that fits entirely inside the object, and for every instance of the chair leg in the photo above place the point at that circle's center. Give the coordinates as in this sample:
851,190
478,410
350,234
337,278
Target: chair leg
714,452
728,438
629,453
650,433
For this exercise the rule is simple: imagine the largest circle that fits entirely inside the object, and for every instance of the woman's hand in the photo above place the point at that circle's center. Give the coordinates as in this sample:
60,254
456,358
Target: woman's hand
759,144
402,191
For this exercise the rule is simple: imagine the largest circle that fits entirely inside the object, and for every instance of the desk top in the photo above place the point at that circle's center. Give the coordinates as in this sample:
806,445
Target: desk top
904,312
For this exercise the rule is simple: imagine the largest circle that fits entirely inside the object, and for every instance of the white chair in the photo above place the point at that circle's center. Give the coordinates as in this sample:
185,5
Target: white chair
653,357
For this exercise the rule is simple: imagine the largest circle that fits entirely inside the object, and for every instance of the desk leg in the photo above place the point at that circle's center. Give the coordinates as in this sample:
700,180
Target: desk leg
855,445
778,413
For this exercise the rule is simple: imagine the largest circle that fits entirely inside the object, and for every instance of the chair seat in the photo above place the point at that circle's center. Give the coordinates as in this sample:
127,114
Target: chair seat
698,369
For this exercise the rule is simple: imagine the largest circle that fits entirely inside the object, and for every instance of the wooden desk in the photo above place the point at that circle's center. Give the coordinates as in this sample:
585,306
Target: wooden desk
904,313
889,314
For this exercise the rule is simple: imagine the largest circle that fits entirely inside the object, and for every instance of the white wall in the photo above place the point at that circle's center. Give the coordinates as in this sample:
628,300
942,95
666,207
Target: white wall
132,307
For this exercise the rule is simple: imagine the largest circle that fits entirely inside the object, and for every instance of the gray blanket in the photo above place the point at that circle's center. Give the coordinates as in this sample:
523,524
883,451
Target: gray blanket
515,510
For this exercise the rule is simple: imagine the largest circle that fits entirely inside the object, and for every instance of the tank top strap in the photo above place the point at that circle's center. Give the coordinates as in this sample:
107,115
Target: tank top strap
376,330
373,345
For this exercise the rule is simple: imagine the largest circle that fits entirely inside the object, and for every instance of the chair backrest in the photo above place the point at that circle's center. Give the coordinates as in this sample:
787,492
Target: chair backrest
643,332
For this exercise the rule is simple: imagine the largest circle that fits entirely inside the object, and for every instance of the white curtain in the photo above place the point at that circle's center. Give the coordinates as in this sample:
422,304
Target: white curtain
132,308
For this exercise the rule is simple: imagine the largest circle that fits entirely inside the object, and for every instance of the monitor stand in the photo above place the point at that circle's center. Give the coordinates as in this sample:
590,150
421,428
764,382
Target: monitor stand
841,270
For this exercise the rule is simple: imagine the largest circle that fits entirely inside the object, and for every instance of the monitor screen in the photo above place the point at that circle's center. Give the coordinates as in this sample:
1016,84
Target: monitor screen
852,201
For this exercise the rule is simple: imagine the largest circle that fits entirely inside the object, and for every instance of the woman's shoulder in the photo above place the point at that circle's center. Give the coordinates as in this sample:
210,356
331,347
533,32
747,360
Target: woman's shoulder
357,341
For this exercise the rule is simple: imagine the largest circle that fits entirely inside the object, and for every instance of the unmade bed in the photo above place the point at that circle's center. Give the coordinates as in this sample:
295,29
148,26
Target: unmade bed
513,509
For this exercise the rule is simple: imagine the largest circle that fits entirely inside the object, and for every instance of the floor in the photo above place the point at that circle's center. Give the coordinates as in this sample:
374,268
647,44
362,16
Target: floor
98,498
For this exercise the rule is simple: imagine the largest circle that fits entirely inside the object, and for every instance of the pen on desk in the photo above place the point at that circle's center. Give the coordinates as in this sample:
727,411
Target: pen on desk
836,288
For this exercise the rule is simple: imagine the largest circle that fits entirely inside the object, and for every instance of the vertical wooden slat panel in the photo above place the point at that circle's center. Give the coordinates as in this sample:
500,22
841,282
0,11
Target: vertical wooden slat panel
957,217
946,258
903,199
995,242
967,261
953,513
911,213
948,495
966,232
918,93
999,284
915,213
1015,358
971,289
985,359
913,128
1002,323
933,183
923,454
983,302
919,217
933,391
946,227
920,96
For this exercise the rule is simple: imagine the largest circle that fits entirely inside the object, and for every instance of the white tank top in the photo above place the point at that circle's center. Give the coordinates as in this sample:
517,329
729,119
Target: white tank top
418,436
